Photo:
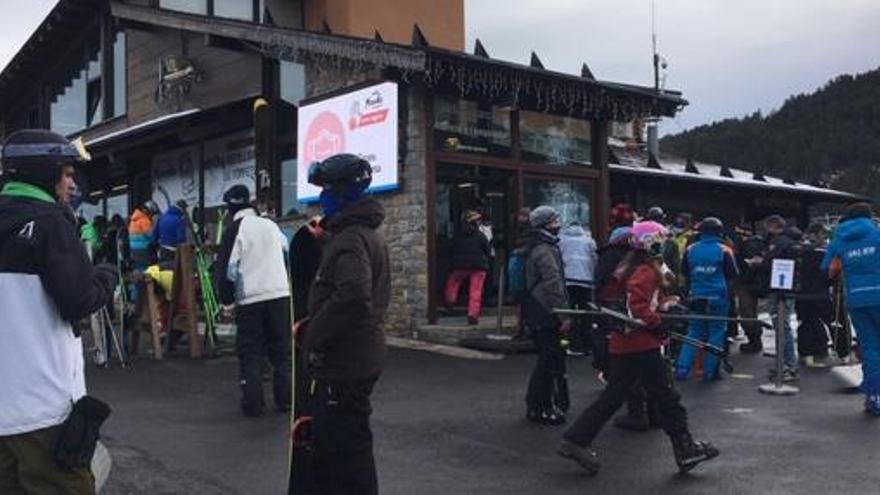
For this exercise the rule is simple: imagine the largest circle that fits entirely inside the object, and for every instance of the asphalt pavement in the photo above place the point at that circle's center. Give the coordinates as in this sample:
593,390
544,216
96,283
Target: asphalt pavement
446,425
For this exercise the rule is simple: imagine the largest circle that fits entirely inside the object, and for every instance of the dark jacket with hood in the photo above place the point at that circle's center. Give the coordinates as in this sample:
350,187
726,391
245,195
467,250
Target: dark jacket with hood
786,245
470,249
345,341
46,282
545,281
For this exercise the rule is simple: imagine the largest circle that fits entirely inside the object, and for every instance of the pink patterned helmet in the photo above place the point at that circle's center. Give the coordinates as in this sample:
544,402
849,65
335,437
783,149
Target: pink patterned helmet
648,236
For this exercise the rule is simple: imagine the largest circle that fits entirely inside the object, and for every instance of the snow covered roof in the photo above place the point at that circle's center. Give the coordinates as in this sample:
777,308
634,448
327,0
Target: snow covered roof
625,160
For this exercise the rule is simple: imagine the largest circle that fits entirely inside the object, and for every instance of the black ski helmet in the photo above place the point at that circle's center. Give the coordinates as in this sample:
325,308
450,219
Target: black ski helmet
712,226
36,156
237,196
151,207
341,170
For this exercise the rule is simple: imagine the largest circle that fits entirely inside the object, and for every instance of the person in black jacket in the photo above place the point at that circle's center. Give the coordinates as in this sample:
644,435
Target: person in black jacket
784,242
813,306
47,284
342,339
751,285
470,260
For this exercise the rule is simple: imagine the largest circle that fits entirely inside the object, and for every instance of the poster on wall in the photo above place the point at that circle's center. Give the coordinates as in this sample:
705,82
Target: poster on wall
363,122
177,173
228,161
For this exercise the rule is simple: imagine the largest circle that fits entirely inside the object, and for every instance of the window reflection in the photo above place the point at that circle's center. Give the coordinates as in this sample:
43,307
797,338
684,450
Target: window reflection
293,82
191,6
234,9
570,198
471,127
120,95
554,140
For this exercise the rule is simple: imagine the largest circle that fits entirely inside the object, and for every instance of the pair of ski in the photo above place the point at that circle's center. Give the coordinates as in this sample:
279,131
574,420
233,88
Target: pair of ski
632,324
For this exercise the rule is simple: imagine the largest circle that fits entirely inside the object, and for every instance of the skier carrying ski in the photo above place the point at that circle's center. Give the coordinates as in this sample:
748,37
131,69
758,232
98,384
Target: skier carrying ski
41,356
710,268
252,275
856,248
636,356
342,339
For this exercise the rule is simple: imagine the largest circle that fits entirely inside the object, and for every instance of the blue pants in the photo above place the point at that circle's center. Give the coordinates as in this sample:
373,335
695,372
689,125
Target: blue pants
867,323
713,332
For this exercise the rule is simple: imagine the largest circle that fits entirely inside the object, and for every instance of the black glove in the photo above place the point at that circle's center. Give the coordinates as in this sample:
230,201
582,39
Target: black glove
108,275
79,434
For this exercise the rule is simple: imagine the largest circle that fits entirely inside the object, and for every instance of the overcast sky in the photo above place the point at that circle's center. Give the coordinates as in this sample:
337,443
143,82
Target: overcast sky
729,57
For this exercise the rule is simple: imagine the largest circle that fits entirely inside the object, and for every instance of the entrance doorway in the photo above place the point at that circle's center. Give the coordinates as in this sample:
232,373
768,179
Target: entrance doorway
493,193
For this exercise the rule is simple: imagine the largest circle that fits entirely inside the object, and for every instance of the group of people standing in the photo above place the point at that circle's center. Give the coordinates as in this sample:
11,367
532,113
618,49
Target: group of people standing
646,269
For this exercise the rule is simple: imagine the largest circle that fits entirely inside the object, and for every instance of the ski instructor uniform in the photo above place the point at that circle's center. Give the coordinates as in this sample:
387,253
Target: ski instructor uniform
343,341
46,282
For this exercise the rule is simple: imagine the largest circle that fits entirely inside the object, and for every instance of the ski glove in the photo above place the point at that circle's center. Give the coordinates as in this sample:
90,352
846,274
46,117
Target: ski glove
79,434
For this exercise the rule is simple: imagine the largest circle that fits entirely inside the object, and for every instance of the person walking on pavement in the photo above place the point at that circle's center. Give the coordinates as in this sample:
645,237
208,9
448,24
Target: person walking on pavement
547,398
342,339
856,250
636,355
579,260
710,269
470,261
813,305
252,279
47,283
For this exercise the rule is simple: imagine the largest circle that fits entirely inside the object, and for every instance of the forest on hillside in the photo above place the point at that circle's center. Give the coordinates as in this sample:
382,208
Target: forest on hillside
830,137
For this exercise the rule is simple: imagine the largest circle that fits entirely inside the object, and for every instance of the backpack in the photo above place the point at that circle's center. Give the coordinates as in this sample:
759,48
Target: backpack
516,274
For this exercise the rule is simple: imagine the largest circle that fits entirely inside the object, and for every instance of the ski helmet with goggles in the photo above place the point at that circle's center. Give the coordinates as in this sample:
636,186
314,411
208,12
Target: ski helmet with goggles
711,226
648,236
36,157
338,171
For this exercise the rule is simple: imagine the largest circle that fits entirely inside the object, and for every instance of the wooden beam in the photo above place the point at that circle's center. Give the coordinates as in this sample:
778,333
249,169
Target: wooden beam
405,58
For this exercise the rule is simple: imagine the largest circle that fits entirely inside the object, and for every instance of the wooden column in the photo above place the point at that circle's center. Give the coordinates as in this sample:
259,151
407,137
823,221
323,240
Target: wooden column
599,138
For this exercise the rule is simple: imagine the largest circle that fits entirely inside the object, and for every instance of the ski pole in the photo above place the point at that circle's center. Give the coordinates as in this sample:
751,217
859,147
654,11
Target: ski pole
636,322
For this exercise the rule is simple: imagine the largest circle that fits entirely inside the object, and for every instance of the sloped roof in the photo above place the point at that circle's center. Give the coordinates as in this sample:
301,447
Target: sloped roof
625,160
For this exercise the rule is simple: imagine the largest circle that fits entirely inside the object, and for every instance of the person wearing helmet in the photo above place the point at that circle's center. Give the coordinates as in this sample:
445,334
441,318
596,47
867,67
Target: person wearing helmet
636,356
709,267
252,279
547,399
470,261
342,340
46,283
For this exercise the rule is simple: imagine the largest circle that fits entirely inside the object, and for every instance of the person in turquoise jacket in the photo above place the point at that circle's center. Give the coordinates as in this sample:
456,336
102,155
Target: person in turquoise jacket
856,250
710,268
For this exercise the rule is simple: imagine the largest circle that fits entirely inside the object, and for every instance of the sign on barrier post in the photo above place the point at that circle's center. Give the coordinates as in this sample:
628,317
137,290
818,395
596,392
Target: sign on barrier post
782,276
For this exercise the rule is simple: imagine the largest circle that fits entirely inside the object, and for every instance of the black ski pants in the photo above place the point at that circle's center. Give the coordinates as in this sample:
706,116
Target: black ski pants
263,329
814,316
582,326
626,369
339,458
547,384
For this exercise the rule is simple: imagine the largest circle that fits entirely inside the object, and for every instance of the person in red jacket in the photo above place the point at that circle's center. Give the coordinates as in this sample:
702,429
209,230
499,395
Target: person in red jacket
636,355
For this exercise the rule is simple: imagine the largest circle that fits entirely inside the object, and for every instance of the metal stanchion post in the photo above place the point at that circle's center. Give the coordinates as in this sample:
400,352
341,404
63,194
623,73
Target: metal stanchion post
777,387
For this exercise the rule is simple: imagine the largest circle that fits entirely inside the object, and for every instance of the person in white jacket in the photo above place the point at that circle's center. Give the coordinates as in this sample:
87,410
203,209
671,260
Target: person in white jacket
253,275
579,262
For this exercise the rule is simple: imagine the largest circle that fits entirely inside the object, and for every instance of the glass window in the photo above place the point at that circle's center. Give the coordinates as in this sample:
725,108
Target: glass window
282,13
191,6
555,140
234,9
94,99
471,127
293,82
572,199
68,110
120,95
117,205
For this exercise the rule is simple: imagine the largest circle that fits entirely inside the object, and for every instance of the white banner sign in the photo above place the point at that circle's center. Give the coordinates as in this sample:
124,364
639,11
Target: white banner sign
362,122
228,161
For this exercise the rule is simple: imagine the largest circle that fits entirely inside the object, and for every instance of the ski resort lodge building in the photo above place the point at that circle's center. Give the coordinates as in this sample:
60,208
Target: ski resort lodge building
197,95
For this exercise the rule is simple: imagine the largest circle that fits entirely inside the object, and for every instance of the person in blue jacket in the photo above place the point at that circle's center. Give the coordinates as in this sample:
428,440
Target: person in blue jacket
856,250
170,231
710,267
